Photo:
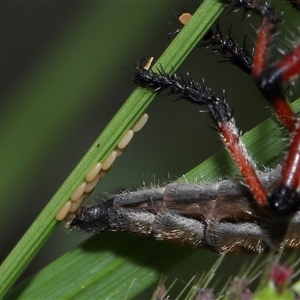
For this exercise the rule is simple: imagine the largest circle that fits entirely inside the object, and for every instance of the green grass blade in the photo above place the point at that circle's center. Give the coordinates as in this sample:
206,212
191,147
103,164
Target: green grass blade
104,267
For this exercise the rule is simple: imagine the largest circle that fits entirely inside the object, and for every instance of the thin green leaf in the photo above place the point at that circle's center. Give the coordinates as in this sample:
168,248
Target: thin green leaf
104,267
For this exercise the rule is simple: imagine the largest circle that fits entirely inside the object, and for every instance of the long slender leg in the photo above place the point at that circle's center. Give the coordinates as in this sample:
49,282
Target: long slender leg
220,113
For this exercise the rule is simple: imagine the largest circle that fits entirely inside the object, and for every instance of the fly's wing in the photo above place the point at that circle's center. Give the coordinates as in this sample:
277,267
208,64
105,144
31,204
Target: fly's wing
234,225
182,217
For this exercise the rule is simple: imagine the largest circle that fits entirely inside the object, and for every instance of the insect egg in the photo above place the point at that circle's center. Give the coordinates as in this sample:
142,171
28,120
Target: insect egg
94,171
126,139
140,123
99,170
91,185
62,213
109,160
76,204
78,191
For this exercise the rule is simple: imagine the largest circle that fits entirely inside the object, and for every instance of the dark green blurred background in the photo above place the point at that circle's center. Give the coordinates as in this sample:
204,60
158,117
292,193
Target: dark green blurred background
64,73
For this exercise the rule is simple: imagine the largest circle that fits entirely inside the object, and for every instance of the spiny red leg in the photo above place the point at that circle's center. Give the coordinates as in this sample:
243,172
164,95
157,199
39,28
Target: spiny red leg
220,113
284,112
270,18
291,168
271,79
222,117
284,198
289,66
261,50
237,150
261,75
